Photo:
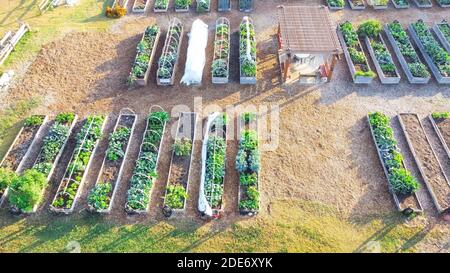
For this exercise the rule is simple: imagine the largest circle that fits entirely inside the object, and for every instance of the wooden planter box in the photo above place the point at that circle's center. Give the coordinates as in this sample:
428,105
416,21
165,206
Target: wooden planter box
158,10
83,179
402,60
443,5
444,42
222,80
423,5
223,7
356,7
351,66
20,166
441,137
136,10
419,164
144,81
384,79
400,6
182,10
371,2
398,200
180,212
439,78
246,9
156,166
55,163
170,81
335,8
122,164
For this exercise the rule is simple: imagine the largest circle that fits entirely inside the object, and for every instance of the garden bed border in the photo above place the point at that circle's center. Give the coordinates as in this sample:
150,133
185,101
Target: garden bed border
440,35
222,80
356,7
400,6
243,79
222,10
440,136
423,6
133,9
144,81
384,79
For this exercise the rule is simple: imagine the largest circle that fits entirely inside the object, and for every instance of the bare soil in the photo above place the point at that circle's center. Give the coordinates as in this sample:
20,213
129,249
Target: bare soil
444,128
428,161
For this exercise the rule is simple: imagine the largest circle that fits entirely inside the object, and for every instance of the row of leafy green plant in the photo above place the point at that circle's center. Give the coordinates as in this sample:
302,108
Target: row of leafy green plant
169,57
336,3
145,173
439,55
248,165
182,4
144,53
444,27
86,141
355,51
220,64
381,3
203,5
161,4
247,48
372,29
215,164
415,65
400,179
100,196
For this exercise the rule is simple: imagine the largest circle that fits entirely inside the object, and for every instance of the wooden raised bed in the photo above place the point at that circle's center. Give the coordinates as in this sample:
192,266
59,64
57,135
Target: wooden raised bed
443,5
224,5
385,79
358,5
172,45
441,37
159,10
351,66
245,5
180,166
111,171
222,50
143,150
19,151
206,210
203,1
442,129
375,6
39,158
246,79
422,150
143,81
67,178
402,60
439,77
423,3
404,203
253,125
140,6
179,9
400,6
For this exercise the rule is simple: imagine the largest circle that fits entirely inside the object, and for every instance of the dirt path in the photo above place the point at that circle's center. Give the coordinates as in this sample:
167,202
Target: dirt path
427,159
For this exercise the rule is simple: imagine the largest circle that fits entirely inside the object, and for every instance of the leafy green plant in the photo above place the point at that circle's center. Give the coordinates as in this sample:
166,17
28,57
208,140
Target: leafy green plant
203,5
440,115
182,147
252,200
6,177
25,191
117,143
248,179
182,4
215,170
401,3
99,197
247,49
34,120
161,4
166,62
402,181
65,118
370,28
336,3
176,194
249,117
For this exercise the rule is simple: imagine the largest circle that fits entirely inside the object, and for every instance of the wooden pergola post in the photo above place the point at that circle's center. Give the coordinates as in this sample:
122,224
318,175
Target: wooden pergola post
333,64
286,71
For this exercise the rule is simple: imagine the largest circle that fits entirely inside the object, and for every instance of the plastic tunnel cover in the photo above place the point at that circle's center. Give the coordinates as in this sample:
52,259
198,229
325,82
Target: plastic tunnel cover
195,62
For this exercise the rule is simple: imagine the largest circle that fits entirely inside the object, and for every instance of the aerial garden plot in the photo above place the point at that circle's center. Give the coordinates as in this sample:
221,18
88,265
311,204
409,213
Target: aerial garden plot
319,128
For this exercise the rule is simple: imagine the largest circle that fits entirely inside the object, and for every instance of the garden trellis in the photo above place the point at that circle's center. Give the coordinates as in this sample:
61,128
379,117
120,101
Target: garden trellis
167,64
220,64
247,52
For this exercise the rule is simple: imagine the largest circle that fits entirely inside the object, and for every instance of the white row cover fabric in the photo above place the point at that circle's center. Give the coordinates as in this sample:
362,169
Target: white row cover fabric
203,205
195,62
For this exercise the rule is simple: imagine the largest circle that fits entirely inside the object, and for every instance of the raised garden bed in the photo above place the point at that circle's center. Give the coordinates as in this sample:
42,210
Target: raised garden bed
182,5
371,32
357,4
145,170
356,60
400,4
146,49
220,65
139,6
402,185
443,3
53,147
423,3
102,195
442,31
120,3
203,5
212,177
441,125
248,165
435,55
76,172
21,147
336,4
180,165
161,6
224,5
245,5
415,70
378,4
423,152
247,52
168,62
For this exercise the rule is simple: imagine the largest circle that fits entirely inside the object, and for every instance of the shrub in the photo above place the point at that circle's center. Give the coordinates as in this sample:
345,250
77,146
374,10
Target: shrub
182,147
26,190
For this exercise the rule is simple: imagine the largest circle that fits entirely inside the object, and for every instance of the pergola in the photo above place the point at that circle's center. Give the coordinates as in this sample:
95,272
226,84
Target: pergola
307,30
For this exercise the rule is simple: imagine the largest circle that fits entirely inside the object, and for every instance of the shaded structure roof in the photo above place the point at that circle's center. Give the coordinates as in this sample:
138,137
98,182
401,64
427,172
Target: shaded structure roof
307,29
